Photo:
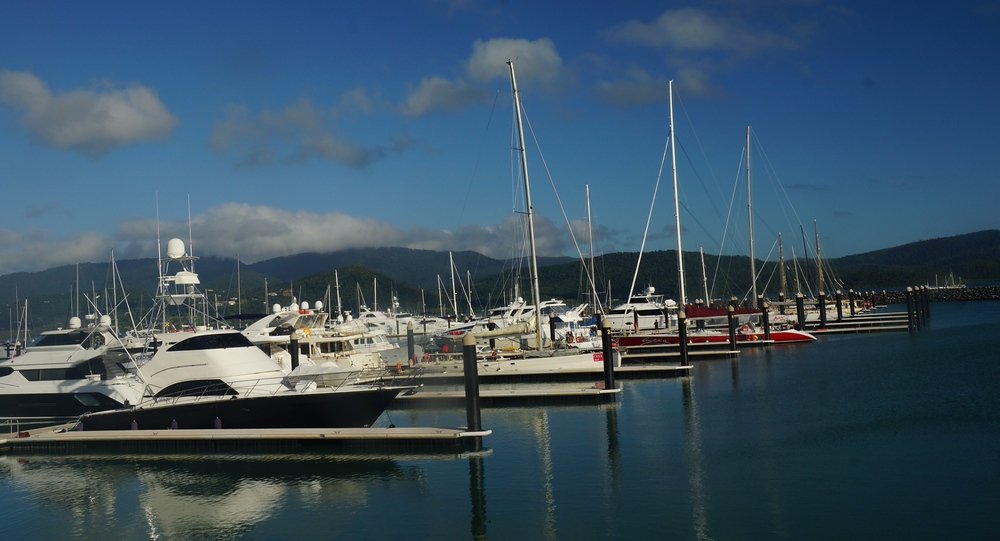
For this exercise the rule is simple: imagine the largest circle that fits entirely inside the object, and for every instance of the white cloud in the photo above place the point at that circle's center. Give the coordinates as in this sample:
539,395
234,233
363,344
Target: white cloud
258,232
300,131
439,94
693,29
536,62
90,121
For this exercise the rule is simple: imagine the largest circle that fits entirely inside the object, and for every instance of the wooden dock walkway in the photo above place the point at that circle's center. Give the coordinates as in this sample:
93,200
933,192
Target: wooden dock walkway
61,439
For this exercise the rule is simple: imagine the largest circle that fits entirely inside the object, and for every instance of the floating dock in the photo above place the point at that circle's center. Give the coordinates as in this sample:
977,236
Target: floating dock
62,439
864,323
448,373
530,394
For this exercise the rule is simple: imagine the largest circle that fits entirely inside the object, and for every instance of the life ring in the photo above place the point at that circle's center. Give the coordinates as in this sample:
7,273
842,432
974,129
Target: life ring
493,355
427,357
744,329
399,368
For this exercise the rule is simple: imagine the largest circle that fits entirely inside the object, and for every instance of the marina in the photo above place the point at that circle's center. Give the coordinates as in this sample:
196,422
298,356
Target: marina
839,439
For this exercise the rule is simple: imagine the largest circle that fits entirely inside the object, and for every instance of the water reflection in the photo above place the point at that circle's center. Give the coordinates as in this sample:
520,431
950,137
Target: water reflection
477,496
693,452
179,497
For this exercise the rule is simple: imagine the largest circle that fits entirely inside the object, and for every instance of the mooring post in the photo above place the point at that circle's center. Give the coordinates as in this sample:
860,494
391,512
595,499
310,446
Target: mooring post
765,318
552,330
411,353
910,324
821,303
609,360
682,334
700,322
850,300
471,368
493,341
293,349
731,320
927,301
800,309
781,302
839,297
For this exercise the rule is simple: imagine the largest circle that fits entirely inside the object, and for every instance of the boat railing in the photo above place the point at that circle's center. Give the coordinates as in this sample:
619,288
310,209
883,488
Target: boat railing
262,387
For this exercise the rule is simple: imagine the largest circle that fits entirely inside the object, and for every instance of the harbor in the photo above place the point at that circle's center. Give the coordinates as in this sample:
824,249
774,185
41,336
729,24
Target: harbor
857,425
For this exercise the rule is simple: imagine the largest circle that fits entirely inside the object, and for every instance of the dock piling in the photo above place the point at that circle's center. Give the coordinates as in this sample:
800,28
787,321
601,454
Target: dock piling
609,370
910,317
800,310
471,372
411,353
840,307
731,320
293,349
821,304
682,335
765,318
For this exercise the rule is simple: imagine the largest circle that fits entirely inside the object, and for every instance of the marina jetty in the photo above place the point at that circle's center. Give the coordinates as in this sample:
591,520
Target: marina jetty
941,294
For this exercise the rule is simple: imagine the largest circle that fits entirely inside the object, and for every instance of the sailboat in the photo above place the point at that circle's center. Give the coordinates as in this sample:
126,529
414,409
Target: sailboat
746,334
541,356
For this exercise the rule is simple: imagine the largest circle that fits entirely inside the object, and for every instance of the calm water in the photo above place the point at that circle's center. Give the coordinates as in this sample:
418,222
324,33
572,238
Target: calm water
882,436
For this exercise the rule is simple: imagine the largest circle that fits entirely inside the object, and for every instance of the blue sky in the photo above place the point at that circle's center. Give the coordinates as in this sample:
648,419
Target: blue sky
315,126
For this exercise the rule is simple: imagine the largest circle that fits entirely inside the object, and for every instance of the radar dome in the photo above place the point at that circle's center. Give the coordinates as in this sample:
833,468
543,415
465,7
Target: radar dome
105,322
276,308
319,305
74,322
175,248
304,305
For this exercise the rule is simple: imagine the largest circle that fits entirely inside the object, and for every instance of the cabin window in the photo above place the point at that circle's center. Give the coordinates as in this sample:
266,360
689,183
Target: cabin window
87,399
213,341
61,339
6,371
205,387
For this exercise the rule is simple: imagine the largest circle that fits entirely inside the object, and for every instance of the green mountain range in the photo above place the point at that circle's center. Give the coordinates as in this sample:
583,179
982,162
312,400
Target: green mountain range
421,280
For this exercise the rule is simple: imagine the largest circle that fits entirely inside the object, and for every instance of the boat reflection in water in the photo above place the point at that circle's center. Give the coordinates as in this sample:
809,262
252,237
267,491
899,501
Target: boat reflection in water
186,497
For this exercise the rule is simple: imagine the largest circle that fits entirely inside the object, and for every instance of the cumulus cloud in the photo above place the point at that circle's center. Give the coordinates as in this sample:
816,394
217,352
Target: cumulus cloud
696,43
693,29
439,94
36,250
259,232
536,61
299,132
92,121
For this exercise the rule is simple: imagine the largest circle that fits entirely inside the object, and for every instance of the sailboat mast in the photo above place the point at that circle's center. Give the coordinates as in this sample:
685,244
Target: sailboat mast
782,277
336,279
536,295
590,271
677,204
753,262
239,289
468,298
704,277
454,294
819,261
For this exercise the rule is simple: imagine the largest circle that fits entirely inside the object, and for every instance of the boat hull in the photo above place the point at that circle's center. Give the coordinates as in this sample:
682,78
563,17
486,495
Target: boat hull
48,408
320,409
778,337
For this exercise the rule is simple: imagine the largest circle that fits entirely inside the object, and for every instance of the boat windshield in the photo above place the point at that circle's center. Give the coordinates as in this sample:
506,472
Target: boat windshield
213,341
60,339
